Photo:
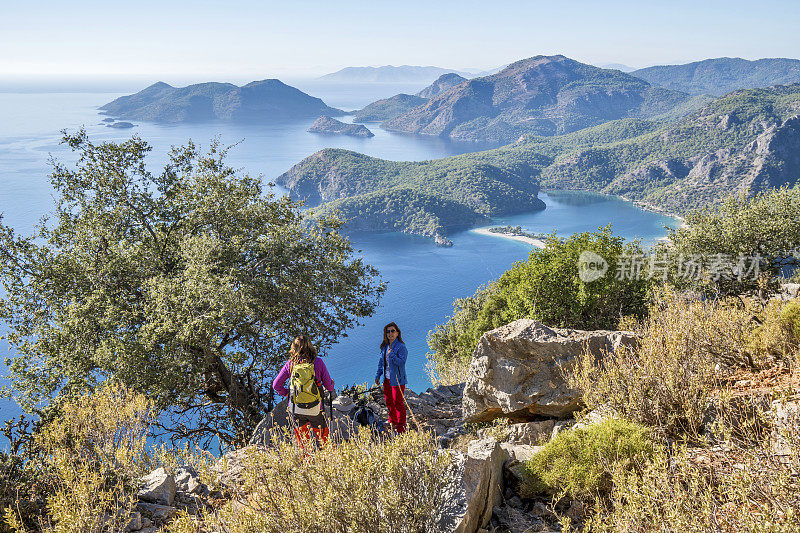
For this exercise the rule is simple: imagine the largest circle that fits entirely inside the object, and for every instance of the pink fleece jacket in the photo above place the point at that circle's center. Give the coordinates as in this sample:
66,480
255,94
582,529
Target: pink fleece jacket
320,372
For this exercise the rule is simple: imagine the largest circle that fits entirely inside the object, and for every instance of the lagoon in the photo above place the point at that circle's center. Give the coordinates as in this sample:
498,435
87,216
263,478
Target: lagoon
423,280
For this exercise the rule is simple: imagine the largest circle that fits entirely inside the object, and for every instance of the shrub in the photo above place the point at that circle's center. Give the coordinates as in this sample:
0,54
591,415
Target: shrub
777,337
92,453
355,486
687,350
547,287
452,344
743,490
580,462
765,227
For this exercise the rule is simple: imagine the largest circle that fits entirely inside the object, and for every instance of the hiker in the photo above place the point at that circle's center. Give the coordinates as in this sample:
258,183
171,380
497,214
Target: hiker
392,370
307,374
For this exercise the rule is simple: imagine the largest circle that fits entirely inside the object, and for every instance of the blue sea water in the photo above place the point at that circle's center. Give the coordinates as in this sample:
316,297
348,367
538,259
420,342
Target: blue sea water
423,280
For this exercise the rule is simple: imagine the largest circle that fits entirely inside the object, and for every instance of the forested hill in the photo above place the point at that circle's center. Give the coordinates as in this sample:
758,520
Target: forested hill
722,75
545,95
746,141
255,102
431,198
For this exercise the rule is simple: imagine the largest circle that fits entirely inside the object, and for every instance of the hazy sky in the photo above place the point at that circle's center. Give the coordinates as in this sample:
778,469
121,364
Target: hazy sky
243,40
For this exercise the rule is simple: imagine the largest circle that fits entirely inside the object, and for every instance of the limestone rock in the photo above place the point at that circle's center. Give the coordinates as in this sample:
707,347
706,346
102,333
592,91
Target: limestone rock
271,425
188,482
517,370
157,513
135,522
157,487
454,497
786,427
343,404
483,483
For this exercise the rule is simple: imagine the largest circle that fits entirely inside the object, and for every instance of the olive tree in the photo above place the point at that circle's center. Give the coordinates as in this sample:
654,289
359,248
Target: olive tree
188,285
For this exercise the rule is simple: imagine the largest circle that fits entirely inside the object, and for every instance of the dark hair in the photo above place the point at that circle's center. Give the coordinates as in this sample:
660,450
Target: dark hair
302,351
386,339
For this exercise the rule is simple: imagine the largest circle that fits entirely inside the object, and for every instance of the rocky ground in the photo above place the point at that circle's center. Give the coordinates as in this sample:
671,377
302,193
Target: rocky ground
513,402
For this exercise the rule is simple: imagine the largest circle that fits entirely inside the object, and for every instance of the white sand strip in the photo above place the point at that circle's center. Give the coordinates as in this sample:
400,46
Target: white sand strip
533,242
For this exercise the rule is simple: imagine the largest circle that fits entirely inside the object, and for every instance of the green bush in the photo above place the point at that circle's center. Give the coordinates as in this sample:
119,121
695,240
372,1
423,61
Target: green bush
547,287
581,462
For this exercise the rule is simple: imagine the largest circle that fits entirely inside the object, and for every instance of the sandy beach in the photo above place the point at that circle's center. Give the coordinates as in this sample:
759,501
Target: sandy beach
533,242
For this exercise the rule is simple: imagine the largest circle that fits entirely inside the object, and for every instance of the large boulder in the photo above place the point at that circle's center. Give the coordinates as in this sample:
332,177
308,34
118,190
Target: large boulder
517,370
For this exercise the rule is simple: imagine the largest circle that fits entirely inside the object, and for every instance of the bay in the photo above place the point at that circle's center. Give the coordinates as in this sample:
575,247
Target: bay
423,280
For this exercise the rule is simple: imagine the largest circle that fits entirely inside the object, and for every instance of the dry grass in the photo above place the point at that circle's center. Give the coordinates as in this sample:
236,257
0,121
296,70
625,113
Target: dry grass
92,455
356,486
688,356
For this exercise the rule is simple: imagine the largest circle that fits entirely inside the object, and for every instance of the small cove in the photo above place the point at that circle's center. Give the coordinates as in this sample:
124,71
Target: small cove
423,280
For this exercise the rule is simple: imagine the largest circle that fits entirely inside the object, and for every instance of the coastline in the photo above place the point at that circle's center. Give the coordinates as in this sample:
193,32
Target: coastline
533,242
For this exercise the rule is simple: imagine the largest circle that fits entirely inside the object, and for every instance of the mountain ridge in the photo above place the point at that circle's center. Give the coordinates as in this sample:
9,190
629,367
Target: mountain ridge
722,75
743,143
546,95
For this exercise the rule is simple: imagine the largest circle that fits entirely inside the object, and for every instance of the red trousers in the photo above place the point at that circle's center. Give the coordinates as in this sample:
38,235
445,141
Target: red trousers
396,405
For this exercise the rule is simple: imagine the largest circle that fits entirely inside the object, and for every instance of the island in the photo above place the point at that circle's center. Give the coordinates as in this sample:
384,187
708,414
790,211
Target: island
256,102
120,125
330,126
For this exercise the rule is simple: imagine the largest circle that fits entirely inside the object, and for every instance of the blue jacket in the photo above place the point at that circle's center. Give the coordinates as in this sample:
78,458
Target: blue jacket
397,364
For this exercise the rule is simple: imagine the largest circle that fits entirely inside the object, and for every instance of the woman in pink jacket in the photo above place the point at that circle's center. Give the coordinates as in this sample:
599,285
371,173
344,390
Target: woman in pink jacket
303,354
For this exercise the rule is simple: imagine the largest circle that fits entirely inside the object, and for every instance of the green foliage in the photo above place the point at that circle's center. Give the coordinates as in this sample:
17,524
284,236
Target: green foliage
547,287
765,227
188,285
388,108
580,462
425,198
722,75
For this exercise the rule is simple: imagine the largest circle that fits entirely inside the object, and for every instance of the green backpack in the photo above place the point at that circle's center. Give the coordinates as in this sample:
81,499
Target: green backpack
304,387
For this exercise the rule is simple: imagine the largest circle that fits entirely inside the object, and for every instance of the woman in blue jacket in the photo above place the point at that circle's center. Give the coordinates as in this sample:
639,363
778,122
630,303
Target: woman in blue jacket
392,371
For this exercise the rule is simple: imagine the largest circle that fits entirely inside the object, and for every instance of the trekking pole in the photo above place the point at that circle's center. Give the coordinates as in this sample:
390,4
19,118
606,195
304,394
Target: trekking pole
416,422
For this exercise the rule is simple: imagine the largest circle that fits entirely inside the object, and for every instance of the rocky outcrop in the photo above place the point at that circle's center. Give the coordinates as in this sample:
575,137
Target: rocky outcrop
158,487
164,494
475,487
330,126
517,370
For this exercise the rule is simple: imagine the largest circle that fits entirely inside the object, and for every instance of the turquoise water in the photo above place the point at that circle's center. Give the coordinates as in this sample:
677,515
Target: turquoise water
422,279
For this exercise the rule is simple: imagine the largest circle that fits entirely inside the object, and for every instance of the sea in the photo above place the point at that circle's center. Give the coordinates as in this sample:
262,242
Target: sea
423,280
